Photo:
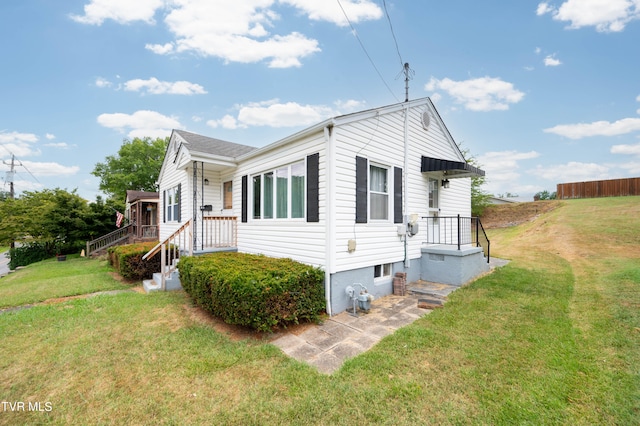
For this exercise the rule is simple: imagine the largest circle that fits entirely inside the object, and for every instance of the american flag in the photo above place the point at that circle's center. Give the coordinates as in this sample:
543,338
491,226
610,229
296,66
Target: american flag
119,217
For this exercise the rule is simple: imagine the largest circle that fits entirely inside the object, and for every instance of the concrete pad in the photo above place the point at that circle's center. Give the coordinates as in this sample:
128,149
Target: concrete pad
343,336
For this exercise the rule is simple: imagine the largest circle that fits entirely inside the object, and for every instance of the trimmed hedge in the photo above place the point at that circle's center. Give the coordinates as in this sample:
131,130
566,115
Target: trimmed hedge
254,290
127,260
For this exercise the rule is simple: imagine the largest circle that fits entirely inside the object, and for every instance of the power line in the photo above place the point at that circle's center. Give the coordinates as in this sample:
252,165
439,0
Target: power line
355,33
393,34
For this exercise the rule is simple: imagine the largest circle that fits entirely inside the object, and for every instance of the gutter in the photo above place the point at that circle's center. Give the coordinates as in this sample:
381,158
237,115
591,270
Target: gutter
329,137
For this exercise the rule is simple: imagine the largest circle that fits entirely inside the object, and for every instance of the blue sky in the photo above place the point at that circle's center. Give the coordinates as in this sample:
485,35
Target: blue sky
538,92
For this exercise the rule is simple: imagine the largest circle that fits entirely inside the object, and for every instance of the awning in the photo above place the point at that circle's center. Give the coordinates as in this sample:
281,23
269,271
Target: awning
449,168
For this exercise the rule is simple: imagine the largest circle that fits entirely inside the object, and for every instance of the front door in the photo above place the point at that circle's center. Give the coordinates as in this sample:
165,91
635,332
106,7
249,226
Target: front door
433,225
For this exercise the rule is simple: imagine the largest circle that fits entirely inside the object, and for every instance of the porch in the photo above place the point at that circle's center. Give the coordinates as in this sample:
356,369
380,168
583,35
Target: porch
211,234
455,251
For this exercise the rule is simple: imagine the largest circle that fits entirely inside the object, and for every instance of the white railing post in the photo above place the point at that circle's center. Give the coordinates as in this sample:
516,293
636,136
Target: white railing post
163,262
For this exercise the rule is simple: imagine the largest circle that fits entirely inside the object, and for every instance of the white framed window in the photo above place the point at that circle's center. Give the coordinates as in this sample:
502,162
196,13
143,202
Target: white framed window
227,197
280,193
172,204
378,192
382,271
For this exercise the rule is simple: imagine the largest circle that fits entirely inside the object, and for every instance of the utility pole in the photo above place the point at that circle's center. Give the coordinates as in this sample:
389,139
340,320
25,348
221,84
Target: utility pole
10,174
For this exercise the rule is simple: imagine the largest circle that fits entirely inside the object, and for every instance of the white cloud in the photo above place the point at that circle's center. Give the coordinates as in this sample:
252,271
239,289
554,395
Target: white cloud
544,8
551,61
160,49
235,31
626,149
503,171
141,123
50,136
19,144
102,82
226,122
479,94
273,113
61,145
157,87
121,11
50,169
597,128
332,11
604,15
572,172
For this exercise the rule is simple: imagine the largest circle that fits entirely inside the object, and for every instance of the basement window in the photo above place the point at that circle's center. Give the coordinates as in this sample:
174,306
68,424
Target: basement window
382,271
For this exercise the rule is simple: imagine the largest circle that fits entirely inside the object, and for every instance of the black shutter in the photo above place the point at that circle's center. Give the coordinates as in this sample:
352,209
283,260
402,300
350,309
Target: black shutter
245,198
179,216
361,189
164,206
397,195
313,188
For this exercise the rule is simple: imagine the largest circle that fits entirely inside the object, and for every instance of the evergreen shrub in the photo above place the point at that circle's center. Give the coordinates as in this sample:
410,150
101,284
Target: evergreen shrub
127,260
253,290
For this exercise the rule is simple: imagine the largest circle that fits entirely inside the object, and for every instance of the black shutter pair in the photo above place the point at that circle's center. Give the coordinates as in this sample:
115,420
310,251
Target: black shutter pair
362,191
313,191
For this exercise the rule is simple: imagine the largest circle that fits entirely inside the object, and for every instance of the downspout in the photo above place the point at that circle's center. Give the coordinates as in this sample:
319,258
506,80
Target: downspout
405,184
330,241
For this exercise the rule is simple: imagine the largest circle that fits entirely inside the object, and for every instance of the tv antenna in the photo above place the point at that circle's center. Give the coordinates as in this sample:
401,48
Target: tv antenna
408,75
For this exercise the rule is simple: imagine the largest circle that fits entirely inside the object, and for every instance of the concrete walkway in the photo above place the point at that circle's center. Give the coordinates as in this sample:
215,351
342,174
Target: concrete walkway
343,336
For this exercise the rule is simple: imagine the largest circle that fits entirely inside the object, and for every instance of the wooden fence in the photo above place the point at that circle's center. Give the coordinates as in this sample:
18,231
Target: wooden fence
599,188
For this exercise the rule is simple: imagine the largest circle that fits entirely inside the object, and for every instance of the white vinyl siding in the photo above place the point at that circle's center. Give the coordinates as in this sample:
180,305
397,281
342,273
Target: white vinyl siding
378,193
293,236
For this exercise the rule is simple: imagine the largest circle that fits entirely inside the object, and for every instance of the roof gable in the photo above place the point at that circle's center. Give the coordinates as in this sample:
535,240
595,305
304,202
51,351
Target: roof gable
212,146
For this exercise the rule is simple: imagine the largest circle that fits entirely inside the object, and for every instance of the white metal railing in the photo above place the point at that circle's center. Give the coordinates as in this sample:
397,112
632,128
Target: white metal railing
180,242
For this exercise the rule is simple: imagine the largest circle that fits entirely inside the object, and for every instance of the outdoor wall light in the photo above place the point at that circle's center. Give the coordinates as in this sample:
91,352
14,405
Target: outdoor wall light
206,182
445,183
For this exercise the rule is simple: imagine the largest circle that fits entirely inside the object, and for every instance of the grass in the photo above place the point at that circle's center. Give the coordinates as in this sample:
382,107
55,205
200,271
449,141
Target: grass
552,338
52,279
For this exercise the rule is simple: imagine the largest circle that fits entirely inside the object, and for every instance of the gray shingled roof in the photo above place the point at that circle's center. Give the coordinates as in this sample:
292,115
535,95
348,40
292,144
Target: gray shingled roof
207,145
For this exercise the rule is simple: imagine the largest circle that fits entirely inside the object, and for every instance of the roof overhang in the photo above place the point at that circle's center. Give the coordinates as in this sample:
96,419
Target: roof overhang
450,169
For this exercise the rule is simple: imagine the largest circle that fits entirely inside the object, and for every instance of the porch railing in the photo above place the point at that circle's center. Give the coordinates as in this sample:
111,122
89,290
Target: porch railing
218,231
109,239
457,231
180,242
148,231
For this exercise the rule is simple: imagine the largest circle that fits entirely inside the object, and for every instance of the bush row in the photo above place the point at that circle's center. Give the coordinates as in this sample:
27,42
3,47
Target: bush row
127,260
253,290
31,252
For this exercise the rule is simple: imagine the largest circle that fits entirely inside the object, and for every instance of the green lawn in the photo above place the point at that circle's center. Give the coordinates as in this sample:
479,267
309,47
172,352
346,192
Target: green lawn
52,279
552,338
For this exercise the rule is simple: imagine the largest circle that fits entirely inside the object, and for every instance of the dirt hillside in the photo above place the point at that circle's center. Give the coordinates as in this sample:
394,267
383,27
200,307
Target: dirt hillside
505,215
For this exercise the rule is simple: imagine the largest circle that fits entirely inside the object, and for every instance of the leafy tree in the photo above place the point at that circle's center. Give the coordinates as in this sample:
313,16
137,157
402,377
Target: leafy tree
479,198
136,167
56,219
545,195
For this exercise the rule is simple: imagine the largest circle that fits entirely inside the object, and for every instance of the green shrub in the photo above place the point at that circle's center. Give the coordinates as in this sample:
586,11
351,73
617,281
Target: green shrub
28,253
127,260
252,290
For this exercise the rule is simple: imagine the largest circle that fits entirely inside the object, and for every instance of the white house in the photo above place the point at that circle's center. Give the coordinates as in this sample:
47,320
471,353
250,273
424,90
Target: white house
362,195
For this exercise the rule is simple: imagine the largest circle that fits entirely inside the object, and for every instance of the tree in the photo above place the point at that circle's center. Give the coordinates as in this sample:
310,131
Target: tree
479,198
545,195
136,167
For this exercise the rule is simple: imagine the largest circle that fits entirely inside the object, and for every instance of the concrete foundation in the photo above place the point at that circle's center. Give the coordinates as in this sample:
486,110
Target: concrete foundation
448,265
